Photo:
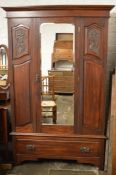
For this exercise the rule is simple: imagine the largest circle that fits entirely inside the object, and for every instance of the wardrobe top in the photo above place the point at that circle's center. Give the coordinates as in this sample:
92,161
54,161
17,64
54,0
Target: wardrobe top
58,10
59,7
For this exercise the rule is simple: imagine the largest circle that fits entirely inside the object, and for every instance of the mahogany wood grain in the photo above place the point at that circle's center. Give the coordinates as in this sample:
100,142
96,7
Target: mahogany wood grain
93,74
59,10
21,91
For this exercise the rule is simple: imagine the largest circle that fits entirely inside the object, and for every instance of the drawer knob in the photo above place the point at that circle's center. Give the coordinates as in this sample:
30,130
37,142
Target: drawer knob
84,149
30,148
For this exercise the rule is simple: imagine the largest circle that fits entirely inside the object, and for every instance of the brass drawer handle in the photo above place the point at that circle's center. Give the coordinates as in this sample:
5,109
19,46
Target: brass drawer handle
30,148
85,149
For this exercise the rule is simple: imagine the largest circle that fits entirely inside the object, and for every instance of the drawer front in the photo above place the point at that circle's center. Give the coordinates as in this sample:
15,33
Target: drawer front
60,55
55,148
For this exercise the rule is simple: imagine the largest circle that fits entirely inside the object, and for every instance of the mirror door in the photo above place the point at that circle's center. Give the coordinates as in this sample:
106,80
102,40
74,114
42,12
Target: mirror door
57,73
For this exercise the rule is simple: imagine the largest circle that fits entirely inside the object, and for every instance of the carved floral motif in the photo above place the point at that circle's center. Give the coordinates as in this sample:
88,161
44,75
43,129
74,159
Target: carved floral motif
93,40
20,41
20,44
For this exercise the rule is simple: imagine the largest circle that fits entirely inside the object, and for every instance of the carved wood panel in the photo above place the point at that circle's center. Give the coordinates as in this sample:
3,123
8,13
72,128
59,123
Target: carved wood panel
22,93
94,41
20,41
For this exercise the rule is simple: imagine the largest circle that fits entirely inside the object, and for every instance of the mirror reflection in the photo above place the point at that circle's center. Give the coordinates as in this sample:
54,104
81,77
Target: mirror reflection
3,65
57,73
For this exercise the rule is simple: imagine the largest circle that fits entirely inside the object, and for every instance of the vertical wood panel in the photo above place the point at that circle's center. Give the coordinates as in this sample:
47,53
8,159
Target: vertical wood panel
22,93
92,95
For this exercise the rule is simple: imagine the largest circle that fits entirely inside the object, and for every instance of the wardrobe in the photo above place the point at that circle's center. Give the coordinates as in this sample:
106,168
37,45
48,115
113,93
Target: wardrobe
84,139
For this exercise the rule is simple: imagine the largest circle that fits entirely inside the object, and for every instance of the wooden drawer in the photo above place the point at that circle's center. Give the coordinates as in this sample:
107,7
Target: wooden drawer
57,149
60,55
63,45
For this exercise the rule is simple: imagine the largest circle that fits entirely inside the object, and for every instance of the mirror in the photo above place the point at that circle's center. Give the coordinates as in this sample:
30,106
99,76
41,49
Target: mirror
3,67
57,73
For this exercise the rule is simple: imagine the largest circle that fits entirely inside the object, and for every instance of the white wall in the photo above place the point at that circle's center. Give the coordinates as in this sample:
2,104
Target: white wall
3,28
48,2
